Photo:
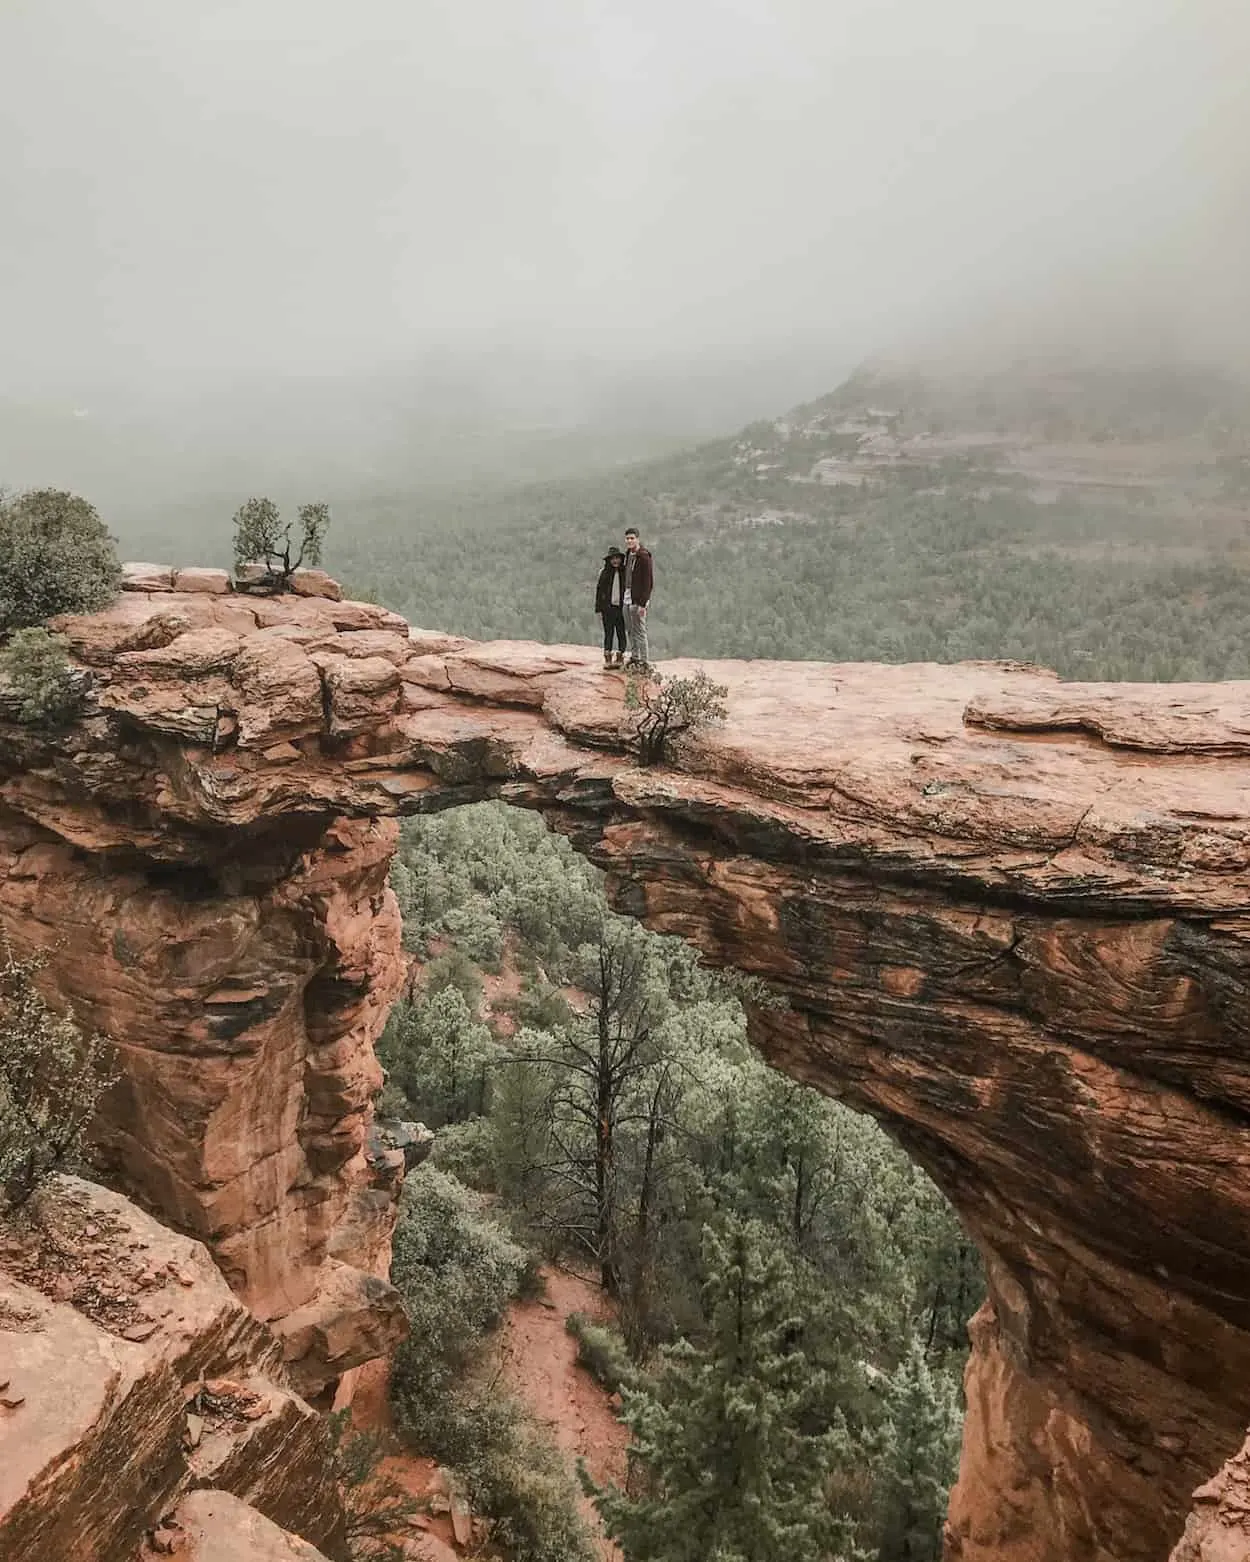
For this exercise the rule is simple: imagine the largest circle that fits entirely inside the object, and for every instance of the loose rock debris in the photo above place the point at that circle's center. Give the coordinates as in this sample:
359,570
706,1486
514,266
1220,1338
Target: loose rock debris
72,1253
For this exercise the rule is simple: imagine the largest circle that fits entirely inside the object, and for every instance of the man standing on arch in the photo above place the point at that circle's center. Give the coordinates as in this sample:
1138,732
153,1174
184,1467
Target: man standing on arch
639,581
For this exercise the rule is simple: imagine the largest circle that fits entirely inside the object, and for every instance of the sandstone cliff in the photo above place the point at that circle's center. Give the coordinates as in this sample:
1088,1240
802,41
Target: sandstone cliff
243,973
133,1378
1007,916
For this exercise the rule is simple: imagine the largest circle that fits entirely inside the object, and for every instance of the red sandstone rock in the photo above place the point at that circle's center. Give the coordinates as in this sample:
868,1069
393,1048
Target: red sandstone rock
245,1022
277,692
97,1453
1007,916
434,641
213,582
1219,1528
360,691
315,583
430,1548
215,1527
147,577
354,1317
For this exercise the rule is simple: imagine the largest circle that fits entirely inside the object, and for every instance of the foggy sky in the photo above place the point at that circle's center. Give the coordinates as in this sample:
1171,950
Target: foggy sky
189,187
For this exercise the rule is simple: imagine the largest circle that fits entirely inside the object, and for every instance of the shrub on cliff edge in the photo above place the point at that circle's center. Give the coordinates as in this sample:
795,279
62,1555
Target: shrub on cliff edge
40,681
670,711
56,556
51,1077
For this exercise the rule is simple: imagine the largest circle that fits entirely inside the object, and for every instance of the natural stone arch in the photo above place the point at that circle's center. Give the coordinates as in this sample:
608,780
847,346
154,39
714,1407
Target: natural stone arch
1006,914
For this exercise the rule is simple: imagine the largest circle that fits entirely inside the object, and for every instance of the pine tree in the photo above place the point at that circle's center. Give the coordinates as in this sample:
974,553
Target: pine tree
440,1056
924,1420
731,1471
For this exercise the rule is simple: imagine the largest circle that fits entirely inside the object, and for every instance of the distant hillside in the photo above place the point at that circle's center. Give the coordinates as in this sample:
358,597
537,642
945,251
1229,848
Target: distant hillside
1178,437
1092,522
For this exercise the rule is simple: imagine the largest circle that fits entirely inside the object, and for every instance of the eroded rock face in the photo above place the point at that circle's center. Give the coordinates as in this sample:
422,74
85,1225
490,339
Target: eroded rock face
244,1006
133,1376
1007,915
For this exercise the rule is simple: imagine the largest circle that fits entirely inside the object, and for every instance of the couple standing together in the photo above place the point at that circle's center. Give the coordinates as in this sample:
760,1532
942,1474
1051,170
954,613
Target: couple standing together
621,597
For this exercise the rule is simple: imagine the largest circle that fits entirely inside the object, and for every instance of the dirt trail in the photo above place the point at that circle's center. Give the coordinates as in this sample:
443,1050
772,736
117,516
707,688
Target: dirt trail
431,1537
540,1366
539,1361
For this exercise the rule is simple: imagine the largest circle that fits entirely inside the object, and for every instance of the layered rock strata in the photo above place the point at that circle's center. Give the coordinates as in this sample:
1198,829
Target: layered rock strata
1007,916
244,974
133,1376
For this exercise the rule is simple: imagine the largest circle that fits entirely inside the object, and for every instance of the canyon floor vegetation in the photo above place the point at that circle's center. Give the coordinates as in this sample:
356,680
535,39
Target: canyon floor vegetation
597,1104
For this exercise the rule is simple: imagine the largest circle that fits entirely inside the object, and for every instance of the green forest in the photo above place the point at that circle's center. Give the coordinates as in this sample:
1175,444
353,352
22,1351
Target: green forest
941,559
897,576
791,1293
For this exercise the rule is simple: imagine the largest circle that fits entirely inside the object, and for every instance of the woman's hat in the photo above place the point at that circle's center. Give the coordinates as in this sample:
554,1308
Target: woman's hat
614,552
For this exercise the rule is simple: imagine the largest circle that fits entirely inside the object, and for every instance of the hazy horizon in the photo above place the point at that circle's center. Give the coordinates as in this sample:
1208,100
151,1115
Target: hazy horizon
276,188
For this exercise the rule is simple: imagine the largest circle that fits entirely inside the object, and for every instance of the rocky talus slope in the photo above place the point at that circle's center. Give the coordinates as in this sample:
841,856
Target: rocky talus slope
1007,915
138,1397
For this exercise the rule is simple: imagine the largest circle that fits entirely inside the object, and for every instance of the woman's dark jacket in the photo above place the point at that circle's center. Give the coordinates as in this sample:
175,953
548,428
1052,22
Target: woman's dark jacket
603,591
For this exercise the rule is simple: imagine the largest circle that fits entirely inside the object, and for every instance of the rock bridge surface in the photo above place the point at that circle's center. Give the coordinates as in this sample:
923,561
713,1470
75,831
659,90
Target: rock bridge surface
1008,916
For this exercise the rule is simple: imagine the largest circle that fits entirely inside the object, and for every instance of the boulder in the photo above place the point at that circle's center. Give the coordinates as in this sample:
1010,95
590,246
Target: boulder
213,1526
210,582
315,583
363,693
278,692
354,1318
147,577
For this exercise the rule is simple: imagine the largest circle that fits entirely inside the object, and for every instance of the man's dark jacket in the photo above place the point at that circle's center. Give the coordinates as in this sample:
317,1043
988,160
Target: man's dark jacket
603,591
640,587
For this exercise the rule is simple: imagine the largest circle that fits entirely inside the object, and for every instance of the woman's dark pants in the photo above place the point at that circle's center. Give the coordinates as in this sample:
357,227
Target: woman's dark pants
613,624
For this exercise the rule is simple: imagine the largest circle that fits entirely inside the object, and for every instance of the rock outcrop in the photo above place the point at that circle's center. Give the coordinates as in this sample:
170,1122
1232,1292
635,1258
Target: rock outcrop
1007,915
132,1376
1219,1527
244,974
212,1526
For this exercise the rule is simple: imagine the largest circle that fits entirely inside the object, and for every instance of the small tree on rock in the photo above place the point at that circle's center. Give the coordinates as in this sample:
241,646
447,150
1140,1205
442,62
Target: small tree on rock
670,709
56,556
51,1077
261,536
